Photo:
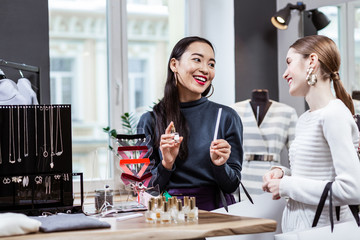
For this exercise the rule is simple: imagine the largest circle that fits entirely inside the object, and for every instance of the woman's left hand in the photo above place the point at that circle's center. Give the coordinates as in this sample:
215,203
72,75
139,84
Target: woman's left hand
220,151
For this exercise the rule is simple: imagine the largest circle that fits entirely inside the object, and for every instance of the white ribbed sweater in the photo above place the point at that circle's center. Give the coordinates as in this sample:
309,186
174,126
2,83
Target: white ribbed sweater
324,150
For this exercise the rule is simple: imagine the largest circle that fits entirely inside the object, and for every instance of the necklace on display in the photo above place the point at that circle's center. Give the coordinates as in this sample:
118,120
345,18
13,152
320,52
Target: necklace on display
36,132
51,124
26,134
18,132
0,154
45,153
58,129
11,136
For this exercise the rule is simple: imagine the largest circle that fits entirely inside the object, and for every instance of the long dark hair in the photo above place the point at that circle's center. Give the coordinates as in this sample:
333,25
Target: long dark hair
168,109
329,58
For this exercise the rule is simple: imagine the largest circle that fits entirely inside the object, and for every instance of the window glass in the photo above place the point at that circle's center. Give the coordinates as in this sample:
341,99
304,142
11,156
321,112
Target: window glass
331,30
78,76
149,41
61,81
357,47
355,77
137,77
79,65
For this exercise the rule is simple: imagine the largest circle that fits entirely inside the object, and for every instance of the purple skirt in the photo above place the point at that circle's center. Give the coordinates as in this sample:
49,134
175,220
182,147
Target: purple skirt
207,198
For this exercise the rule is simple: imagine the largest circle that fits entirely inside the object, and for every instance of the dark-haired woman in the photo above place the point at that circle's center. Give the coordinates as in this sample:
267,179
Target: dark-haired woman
326,138
194,164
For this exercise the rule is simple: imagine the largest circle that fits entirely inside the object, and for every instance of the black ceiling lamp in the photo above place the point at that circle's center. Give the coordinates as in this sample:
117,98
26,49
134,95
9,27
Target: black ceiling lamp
319,19
281,19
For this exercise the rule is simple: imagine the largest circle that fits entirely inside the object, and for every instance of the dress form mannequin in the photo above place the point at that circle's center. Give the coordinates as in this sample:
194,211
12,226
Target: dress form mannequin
269,128
260,104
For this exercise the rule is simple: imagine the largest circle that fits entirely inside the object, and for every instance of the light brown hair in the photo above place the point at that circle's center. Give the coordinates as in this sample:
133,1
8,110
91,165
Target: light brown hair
329,58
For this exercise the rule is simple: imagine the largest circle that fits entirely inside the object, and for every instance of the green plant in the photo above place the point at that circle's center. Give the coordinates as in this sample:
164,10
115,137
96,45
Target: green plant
112,132
129,126
129,122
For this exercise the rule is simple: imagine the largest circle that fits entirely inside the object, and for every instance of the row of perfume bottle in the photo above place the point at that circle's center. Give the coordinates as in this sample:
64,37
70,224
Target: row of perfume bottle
161,211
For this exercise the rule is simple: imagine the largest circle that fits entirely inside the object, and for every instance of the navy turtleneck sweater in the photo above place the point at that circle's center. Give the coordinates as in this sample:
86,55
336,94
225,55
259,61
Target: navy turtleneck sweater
198,170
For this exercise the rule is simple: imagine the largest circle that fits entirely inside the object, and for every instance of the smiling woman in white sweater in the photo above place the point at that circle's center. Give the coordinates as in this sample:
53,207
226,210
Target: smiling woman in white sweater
326,138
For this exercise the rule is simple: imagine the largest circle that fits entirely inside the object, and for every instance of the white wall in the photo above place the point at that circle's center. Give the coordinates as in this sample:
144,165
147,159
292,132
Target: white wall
214,20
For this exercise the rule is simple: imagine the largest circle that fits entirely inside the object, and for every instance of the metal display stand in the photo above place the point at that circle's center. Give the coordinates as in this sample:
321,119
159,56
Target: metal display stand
36,159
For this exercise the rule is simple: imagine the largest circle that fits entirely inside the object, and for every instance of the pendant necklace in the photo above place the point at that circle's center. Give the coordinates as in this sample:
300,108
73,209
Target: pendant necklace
36,132
58,129
0,154
11,136
45,153
18,132
51,124
26,134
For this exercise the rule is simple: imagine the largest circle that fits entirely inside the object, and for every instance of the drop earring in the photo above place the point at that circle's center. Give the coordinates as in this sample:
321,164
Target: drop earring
311,77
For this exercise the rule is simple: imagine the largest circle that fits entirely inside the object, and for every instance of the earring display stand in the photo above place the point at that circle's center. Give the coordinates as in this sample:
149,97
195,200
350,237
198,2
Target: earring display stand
35,173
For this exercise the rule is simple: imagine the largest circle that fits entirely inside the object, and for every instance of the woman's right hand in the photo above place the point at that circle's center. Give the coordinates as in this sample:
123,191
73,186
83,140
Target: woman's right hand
275,173
169,148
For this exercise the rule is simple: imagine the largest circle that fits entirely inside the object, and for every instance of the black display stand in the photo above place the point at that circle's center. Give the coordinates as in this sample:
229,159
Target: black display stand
36,159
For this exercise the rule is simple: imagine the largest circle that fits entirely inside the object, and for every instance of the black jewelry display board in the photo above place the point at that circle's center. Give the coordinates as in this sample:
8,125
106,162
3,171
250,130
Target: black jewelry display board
35,158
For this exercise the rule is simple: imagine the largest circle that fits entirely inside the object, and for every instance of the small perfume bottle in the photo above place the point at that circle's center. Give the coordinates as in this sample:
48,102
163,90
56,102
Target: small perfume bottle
159,210
154,203
180,216
176,135
193,212
150,215
186,207
173,208
165,216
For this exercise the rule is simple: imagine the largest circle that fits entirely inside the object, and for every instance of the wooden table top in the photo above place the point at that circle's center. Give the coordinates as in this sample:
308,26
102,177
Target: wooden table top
210,224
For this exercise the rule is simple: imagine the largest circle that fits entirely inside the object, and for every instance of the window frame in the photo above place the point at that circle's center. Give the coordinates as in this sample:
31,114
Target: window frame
117,71
117,88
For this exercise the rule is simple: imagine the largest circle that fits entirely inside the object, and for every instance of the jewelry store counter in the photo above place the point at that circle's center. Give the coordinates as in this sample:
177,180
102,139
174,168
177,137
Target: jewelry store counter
210,224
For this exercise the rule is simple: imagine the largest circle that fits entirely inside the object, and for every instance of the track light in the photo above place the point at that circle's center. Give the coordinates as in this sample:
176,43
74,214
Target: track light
319,19
281,19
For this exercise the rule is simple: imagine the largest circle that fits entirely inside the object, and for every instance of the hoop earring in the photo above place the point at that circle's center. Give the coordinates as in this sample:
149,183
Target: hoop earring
213,89
311,77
